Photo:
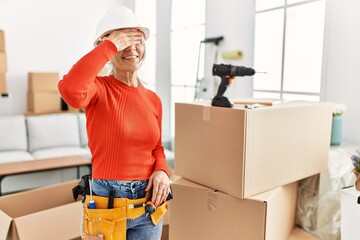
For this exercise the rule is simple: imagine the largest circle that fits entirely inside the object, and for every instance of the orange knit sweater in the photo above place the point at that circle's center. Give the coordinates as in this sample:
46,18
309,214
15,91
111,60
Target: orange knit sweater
123,123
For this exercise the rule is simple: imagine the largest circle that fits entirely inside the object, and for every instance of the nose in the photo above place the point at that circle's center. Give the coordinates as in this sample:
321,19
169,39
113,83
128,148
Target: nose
130,48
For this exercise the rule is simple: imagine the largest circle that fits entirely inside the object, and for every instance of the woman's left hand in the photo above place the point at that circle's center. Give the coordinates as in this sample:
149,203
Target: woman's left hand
160,183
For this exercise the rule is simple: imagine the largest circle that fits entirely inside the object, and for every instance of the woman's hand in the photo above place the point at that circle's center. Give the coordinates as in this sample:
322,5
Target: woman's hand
160,183
124,38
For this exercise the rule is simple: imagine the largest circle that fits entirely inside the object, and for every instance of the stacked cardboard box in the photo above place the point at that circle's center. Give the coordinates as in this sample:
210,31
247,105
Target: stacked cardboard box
43,95
5,97
240,167
3,63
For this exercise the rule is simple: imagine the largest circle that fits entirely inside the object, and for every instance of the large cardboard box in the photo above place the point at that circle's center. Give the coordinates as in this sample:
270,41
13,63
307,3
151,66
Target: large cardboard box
350,213
244,152
43,81
3,62
44,213
2,41
39,102
199,212
3,86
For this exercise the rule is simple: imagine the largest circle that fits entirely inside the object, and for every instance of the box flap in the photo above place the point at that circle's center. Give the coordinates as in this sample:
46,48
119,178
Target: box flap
23,203
301,234
184,182
5,221
266,196
262,101
61,222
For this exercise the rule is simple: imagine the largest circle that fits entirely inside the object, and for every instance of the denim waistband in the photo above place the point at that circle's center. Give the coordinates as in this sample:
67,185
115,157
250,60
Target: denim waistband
131,190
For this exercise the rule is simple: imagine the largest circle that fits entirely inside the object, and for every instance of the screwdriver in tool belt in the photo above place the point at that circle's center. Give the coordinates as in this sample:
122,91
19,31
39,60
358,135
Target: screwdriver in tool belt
92,204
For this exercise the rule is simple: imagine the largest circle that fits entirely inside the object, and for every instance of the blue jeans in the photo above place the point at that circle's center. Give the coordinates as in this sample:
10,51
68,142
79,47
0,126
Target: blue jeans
140,228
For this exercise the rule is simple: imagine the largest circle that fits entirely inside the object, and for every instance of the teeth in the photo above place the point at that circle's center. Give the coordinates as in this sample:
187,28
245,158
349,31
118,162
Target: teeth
130,57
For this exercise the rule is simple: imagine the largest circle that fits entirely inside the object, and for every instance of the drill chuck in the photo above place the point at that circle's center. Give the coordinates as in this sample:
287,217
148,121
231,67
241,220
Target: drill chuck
149,208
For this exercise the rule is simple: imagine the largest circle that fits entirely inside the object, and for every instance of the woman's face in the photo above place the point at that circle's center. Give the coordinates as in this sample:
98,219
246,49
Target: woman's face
130,58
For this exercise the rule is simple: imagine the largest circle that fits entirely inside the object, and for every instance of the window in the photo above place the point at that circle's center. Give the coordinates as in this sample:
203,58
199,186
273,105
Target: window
289,47
187,30
146,11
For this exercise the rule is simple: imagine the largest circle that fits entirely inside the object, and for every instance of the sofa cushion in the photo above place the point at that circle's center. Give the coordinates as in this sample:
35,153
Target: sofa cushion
13,133
61,152
15,156
54,130
83,133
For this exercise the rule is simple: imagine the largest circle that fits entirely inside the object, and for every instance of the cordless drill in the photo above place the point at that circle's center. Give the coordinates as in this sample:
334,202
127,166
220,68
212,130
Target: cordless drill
227,73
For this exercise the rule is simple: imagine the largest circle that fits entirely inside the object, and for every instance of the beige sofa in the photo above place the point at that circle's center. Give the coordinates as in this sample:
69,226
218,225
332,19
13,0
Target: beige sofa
27,138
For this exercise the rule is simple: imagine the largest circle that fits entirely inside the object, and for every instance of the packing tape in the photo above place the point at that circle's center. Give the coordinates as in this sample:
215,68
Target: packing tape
206,113
212,202
231,54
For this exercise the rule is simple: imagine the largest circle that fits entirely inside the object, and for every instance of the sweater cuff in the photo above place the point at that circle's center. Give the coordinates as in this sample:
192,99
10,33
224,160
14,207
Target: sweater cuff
110,46
165,169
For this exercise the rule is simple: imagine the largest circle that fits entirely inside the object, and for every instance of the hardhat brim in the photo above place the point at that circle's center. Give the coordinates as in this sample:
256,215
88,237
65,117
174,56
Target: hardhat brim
145,30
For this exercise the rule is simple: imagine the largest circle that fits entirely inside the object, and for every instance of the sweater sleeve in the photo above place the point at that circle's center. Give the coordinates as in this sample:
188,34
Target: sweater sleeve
78,86
158,152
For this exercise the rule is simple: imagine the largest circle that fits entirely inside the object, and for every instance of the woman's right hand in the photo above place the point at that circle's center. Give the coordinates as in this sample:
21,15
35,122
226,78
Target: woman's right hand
124,38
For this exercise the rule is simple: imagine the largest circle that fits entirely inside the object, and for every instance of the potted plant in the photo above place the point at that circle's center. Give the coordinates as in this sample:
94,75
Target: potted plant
356,163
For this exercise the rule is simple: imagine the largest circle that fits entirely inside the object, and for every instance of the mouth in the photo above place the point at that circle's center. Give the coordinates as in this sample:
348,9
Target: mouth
130,57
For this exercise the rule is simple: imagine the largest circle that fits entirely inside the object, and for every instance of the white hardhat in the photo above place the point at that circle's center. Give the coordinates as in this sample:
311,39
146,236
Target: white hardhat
118,18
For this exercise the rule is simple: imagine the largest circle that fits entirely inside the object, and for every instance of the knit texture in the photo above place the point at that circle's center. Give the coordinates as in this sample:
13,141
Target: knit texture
123,123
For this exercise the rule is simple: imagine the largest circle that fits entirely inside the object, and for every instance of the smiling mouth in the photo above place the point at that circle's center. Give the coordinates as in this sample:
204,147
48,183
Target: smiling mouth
131,57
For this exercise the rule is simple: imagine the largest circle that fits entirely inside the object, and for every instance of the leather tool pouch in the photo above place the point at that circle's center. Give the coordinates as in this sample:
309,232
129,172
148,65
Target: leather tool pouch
111,223
159,213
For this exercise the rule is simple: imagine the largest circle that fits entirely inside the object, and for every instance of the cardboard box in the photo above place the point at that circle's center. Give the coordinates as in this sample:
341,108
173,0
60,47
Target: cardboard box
43,81
166,224
39,102
301,234
199,212
44,213
244,152
166,218
3,62
165,233
2,41
350,213
3,86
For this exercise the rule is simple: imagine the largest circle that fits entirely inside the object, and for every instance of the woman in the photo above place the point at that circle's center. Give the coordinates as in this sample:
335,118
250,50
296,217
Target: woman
123,118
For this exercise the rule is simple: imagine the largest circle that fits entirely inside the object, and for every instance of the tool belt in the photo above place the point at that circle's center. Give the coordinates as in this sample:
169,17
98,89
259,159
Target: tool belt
111,223
107,223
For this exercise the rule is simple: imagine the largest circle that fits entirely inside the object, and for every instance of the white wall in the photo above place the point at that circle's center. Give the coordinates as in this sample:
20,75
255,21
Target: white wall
163,67
342,68
235,20
42,35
